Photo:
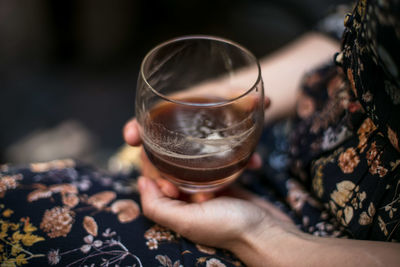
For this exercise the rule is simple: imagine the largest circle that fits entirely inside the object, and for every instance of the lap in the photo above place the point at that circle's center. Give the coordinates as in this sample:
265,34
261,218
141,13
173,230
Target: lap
68,214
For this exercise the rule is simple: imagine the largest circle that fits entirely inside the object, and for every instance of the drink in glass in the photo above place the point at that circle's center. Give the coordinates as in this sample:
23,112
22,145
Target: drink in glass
199,119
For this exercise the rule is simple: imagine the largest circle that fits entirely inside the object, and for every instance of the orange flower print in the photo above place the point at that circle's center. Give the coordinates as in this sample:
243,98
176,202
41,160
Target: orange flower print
152,244
159,232
9,182
348,160
57,221
157,235
377,168
366,128
374,161
393,138
372,153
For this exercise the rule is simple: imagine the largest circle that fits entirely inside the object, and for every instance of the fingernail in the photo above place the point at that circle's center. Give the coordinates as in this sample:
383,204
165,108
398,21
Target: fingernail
131,134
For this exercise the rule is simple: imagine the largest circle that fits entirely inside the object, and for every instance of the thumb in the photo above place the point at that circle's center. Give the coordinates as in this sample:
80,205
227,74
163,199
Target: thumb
131,133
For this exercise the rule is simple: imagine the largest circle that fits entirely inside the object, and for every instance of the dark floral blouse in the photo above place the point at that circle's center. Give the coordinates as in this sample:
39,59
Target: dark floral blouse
334,169
345,145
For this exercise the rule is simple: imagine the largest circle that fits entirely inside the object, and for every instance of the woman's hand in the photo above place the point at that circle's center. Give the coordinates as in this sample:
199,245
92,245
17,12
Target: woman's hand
208,222
257,232
224,222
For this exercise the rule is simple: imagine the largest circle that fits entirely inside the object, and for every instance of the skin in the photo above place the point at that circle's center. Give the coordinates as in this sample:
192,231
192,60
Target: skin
253,229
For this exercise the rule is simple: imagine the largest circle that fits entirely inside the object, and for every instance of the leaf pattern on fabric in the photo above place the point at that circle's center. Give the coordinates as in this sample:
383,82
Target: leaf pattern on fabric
165,261
127,210
102,199
86,221
66,190
344,154
16,240
343,193
90,225
366,217
206,249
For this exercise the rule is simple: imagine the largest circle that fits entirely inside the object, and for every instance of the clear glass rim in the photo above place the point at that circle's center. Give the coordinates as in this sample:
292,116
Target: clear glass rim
202,37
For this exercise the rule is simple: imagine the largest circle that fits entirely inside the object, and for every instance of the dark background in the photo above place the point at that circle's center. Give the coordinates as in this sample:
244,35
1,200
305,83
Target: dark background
68,68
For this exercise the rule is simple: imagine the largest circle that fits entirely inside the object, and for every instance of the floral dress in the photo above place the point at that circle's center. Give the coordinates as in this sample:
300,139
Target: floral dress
335,166
334,169
345,147
64,213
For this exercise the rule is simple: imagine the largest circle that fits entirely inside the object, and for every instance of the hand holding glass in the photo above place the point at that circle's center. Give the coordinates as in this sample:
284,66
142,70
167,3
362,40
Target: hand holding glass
199,120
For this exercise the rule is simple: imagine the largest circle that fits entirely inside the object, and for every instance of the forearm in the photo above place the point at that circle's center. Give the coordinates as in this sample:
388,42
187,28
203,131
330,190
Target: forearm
290,247
350,252
282,71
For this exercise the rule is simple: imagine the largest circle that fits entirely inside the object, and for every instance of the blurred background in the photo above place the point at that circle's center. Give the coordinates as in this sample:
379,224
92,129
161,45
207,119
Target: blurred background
68,69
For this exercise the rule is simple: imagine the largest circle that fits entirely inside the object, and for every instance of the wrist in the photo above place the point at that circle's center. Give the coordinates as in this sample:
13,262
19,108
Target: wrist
270,244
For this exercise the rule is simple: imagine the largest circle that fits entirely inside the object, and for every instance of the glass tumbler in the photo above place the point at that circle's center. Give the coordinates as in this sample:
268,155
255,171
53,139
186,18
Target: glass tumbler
200,107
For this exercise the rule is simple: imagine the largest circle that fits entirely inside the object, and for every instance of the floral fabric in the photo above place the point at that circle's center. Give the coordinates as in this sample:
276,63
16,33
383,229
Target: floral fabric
334,169
335,166
345,146
355,170
63,213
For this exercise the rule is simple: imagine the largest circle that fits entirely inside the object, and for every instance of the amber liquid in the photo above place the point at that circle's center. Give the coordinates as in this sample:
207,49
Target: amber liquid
196,145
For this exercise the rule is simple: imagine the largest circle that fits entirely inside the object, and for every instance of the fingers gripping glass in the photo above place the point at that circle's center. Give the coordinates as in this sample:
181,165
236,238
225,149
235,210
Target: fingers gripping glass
199,104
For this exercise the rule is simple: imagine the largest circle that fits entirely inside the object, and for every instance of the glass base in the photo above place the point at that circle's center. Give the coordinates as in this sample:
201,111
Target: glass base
193,187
